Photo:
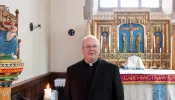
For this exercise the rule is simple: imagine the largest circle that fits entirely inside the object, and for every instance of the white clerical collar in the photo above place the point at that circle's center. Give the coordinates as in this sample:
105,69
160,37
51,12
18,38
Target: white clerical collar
91,64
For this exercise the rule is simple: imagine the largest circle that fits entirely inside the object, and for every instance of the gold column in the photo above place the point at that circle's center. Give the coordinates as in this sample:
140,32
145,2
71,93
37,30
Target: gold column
5,93
88,28
173,48
163,40
95,30
167,38
152,37
117,36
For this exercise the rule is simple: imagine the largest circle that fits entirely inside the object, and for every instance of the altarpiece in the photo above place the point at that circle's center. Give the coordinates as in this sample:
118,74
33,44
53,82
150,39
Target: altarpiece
126,33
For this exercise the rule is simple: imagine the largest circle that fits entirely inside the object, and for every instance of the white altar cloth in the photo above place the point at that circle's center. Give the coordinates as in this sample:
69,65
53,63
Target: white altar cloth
147,71
143,91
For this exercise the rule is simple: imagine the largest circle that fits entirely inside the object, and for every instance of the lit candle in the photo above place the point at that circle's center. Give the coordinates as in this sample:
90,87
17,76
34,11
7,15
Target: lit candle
47,93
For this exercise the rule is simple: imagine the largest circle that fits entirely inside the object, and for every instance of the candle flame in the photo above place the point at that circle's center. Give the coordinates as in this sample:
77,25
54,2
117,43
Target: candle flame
48,86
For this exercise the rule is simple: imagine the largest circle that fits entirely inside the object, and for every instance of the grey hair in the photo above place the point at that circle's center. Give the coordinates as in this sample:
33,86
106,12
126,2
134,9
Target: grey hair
90,36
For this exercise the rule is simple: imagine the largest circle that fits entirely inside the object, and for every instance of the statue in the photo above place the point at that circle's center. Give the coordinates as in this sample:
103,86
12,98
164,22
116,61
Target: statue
8,41
157,40
105,42
124,43
139,39
4,16
12,29
131,30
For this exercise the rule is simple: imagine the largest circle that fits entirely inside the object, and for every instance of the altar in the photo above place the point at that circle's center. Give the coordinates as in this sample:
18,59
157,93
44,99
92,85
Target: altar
148,84
142,84
144,34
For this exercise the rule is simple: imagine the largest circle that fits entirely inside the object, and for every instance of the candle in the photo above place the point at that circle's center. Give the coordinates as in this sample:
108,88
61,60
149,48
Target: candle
146,41
167,50
109,41
114,50
47,93
154,42
163,41
118,42
151,50
101,42
160,50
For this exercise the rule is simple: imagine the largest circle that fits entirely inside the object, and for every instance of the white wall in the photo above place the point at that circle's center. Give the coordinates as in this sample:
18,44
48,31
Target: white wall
65,49
34,45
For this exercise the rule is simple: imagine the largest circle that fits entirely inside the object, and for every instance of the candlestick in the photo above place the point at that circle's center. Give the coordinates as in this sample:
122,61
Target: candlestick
163,41
101,42
118,42
47,93
154,42
109,41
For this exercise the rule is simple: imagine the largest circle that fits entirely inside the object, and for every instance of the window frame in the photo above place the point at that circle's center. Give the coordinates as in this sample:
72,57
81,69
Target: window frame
159,9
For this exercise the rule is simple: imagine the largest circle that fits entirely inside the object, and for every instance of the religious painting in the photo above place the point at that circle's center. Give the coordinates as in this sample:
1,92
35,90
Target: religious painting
134,38
158,41
104,41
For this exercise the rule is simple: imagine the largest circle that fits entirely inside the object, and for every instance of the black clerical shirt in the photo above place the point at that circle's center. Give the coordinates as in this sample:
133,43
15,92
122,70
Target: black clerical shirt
90,71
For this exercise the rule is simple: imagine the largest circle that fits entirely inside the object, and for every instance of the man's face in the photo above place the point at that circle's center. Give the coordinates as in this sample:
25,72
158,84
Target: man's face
90,49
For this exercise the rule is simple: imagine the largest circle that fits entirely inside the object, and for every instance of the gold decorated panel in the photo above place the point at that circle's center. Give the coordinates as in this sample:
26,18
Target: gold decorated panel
154,41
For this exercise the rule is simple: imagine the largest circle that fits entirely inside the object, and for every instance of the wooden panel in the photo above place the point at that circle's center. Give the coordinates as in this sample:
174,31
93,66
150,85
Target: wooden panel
33,88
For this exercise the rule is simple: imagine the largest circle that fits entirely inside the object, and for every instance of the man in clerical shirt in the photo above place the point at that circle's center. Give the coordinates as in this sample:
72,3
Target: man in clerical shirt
93,78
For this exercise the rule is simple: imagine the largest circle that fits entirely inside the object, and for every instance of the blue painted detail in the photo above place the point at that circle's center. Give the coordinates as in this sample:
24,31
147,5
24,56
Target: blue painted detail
159,92
135,32
8,47
128,68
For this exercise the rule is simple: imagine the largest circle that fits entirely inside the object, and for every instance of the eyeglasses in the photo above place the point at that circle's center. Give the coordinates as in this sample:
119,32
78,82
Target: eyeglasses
89,47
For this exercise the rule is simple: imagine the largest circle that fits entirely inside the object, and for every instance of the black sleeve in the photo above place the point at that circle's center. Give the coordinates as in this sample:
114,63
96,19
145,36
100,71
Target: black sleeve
118,92
67,89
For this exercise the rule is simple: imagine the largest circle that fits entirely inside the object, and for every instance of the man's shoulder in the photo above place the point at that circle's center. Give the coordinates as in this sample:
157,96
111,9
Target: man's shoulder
76,65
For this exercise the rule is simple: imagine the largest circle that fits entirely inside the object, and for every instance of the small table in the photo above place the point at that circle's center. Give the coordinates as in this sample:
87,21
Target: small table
59,84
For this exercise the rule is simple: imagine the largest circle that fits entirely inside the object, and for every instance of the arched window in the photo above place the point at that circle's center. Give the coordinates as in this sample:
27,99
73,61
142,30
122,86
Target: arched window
113,4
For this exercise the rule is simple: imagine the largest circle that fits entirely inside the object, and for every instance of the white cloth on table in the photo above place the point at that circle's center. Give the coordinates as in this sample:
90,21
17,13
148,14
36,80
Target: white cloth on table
147,71
59,82
133,63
